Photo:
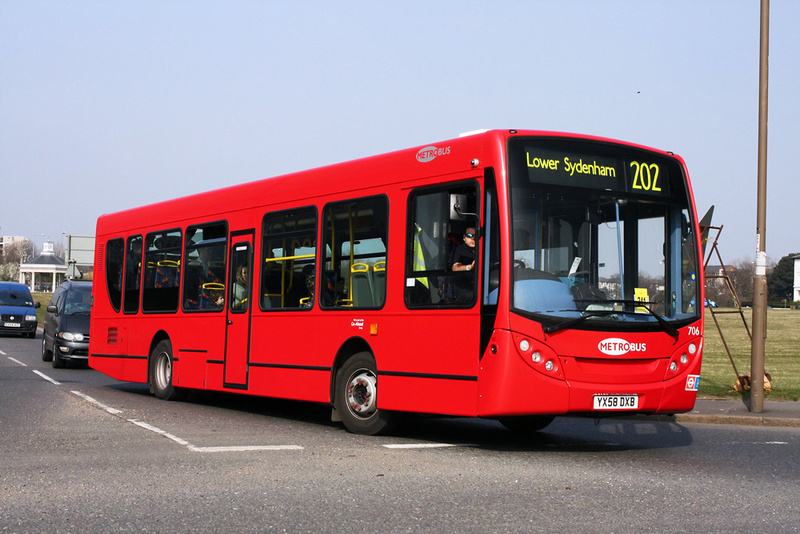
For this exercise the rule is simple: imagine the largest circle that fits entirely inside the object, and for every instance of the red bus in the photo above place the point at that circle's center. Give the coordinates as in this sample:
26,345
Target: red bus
513,275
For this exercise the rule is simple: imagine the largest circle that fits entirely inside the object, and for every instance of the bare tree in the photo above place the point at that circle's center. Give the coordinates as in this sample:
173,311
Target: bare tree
742,275
13,254
17,252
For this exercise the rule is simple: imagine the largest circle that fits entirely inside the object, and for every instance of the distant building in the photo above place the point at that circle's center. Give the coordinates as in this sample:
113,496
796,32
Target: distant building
796,285
44,272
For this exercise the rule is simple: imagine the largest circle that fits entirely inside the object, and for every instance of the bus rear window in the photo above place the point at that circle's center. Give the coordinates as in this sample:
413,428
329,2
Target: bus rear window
115,254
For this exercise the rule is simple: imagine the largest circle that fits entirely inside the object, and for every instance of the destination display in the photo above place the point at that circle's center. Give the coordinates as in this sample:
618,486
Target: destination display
558,167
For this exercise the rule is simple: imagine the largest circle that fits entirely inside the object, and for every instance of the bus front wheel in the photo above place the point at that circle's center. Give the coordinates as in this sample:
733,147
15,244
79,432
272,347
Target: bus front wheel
161,372
356,396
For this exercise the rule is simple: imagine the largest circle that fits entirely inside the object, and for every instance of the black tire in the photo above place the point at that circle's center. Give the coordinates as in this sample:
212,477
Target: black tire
356,397
527,425
58,361
160,372
47,355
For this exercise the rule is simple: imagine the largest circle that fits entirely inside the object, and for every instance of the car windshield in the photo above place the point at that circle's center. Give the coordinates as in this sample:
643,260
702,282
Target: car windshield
78,301
590,250
12,297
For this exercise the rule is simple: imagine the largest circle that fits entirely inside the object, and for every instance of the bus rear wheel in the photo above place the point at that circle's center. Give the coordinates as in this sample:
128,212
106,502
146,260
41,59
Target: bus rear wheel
161,372
356,397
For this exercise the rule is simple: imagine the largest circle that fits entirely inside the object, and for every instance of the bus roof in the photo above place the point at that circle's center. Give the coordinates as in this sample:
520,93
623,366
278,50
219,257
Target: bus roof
439,158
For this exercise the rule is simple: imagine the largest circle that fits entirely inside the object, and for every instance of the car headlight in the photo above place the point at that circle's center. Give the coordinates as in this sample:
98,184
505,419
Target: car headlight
69,336
30,318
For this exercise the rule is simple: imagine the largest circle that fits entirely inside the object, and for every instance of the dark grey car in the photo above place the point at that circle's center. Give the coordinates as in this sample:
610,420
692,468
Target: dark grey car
66,324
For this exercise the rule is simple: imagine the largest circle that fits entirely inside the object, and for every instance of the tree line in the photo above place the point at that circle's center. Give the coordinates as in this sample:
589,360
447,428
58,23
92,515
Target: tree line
780,282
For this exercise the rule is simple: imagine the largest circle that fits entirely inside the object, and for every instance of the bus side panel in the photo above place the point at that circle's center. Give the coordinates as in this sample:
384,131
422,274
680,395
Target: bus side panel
508,386
285,358
427,395
428,363
298,384
197,339
109,354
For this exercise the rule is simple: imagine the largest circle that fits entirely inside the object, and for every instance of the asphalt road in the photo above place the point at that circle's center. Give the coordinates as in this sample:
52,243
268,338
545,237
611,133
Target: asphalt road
80,452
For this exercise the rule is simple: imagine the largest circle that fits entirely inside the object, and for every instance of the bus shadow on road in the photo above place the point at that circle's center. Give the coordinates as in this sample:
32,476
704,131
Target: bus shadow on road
565,434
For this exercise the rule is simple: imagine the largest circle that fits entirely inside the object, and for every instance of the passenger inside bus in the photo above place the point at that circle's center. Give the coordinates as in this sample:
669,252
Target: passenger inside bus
310,280
240,286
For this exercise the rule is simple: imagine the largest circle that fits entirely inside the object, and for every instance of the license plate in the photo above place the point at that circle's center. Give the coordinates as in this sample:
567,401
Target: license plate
616,402
12,325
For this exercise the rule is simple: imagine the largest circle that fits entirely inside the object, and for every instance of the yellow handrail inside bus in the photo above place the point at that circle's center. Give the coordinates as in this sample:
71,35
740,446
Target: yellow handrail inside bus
282,258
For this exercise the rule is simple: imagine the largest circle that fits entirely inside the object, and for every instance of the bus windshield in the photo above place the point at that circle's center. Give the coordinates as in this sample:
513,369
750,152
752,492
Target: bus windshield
602,236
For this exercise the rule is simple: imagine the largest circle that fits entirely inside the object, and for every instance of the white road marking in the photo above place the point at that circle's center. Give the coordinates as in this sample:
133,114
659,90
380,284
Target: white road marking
757,443
421,445
97,403
16,361
47,377
242,448
181,441
195,448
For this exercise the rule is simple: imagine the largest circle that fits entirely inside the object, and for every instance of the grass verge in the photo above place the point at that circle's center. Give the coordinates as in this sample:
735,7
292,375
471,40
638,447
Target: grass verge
782,354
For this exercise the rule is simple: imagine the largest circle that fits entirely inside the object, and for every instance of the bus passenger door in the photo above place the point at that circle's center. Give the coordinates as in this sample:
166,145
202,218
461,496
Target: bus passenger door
239,302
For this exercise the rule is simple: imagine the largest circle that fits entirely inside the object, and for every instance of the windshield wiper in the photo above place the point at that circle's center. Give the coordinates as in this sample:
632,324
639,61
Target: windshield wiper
668,328
549,329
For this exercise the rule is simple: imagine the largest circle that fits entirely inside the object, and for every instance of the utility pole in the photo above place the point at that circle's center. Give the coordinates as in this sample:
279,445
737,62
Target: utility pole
760,281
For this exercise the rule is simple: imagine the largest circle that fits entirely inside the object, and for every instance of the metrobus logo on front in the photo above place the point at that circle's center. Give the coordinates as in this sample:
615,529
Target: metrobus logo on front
615,346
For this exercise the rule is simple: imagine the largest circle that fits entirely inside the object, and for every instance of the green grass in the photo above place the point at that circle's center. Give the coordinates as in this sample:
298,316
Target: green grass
782,354
44,299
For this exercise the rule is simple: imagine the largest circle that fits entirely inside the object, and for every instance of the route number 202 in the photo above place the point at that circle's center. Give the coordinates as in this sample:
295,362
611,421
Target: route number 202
646,176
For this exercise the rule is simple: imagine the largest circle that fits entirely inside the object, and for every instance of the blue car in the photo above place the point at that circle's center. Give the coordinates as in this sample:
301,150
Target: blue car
17,310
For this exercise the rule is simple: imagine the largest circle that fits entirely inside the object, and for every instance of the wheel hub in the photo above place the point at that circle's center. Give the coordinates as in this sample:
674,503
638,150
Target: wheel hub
361,394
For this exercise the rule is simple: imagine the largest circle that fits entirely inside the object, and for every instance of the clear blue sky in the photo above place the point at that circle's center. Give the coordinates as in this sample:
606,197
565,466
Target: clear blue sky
110,105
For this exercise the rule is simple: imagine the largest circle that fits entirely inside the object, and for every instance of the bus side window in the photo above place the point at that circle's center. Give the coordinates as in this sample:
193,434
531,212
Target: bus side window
289,260
353,272
162,268
133,274
433,235
205,267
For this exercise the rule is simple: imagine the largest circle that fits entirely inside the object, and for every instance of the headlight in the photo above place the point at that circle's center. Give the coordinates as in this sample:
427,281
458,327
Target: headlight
30,318
69,336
